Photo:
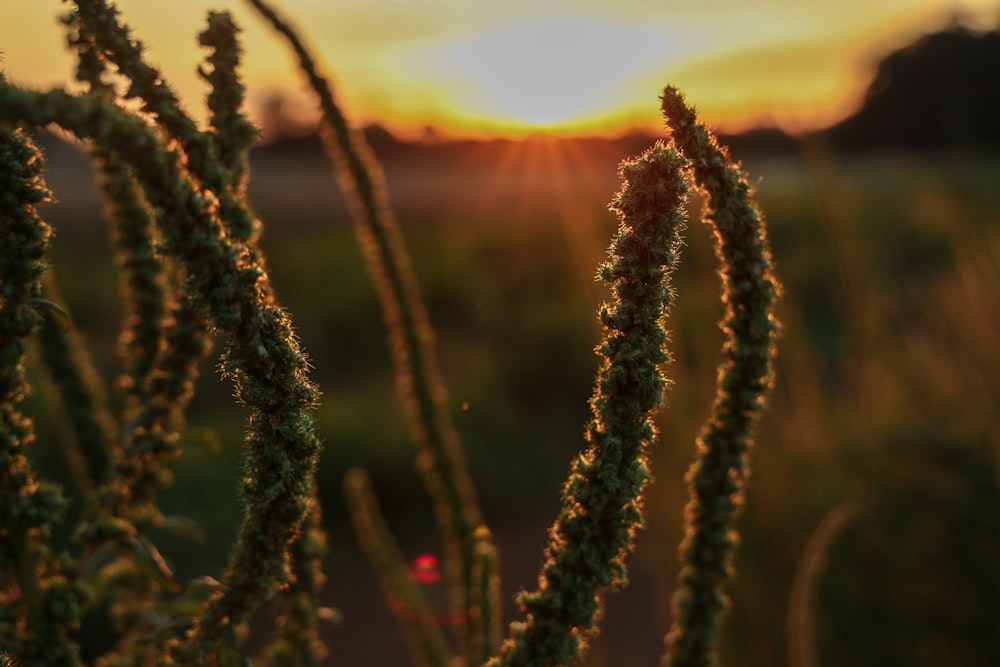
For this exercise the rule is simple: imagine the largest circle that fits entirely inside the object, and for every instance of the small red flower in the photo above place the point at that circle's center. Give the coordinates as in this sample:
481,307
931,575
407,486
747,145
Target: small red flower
425,569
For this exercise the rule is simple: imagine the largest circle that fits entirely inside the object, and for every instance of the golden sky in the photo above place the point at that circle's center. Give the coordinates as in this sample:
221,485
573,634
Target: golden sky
524,66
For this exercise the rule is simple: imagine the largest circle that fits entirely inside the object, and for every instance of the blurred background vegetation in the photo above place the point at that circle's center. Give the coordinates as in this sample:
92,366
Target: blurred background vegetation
886,399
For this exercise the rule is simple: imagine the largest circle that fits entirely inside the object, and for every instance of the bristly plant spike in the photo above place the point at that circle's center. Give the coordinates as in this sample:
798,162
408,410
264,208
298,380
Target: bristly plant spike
39,604
440,459
602,499
263,358
83,394
716,480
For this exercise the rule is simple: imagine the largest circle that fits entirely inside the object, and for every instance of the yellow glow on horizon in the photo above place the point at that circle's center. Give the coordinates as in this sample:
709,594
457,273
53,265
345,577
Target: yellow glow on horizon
524,66
571,73
549,74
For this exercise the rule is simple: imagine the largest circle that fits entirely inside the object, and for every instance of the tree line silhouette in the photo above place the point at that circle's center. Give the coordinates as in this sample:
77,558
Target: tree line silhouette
940,91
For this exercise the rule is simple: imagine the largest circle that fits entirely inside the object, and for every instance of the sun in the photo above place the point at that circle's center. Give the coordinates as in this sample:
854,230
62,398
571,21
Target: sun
540,74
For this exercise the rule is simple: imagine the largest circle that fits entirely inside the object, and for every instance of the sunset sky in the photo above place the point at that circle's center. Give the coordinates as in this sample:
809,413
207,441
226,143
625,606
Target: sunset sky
471,67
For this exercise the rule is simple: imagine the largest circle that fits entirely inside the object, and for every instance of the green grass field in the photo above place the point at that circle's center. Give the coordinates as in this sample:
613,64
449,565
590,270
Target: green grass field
887,395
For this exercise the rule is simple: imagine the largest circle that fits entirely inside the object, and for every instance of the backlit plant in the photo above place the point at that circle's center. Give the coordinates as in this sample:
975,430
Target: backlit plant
188,253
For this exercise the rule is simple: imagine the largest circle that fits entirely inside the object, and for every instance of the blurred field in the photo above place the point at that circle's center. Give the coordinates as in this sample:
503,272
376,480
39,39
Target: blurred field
887,392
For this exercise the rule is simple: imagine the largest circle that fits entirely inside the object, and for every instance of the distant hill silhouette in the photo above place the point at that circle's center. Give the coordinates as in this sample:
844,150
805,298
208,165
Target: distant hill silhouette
942,91
292,145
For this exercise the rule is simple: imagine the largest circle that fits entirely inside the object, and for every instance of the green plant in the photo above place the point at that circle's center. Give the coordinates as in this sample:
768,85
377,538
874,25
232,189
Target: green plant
191,265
